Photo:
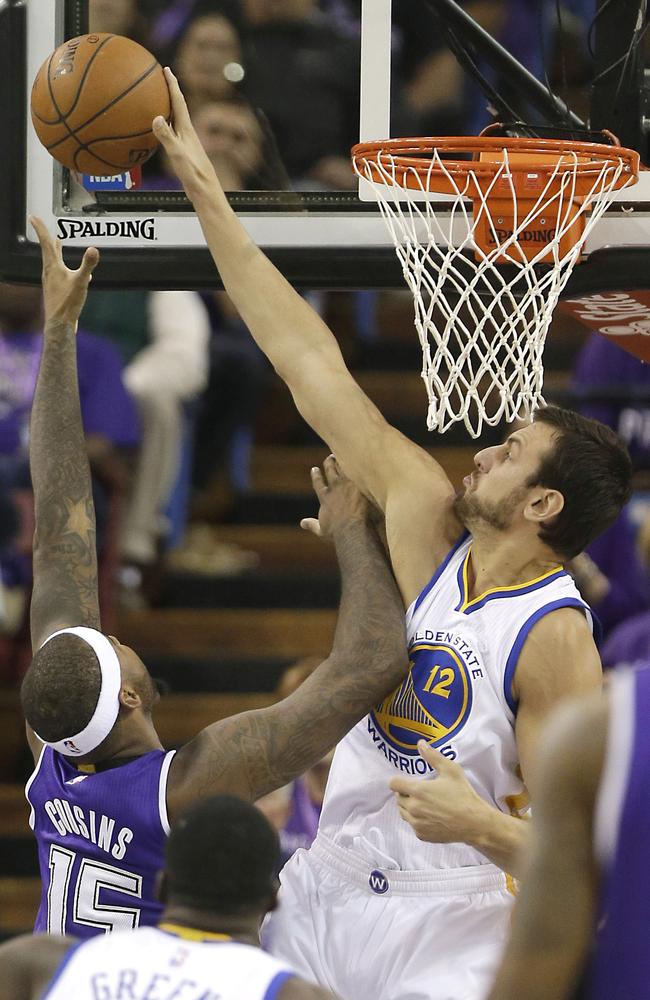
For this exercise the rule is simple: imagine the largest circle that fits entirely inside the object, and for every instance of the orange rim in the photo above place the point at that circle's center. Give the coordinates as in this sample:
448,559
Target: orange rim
538,162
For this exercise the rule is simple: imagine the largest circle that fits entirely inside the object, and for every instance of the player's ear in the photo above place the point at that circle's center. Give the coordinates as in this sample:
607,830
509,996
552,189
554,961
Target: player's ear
129,696
544,505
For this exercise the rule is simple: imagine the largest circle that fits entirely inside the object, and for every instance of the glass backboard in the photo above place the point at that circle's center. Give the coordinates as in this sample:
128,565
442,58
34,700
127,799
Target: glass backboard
313,219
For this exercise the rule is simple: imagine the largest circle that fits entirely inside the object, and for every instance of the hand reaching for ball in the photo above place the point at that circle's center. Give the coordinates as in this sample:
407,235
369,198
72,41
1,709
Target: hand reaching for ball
64,290
189,160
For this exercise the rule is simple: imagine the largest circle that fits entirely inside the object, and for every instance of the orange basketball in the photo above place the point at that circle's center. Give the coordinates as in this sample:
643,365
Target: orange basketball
93,101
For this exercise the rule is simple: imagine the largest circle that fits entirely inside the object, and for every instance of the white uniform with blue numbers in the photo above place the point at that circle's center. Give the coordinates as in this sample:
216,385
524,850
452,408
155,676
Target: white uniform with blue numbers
160,965
366,859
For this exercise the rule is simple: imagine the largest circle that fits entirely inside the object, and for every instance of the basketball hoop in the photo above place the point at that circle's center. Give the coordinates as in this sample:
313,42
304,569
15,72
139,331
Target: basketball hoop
487,263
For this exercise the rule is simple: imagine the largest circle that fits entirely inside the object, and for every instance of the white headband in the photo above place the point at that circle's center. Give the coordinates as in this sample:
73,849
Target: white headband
108,703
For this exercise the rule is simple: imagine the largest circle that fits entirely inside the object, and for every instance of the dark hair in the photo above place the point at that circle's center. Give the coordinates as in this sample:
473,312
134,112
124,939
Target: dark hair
61,688
590,466
222,855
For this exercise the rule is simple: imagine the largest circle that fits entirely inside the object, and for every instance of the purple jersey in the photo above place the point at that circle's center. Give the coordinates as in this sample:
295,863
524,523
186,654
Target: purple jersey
101,842
620,965
302,825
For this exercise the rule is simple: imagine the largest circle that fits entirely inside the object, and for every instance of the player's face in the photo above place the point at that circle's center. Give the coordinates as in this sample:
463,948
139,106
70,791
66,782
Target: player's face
496,492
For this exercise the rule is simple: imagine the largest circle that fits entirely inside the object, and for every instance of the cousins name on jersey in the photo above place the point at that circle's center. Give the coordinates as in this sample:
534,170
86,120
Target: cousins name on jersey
99,829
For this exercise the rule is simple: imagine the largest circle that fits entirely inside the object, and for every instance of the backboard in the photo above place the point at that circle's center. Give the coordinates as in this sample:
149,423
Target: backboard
318,236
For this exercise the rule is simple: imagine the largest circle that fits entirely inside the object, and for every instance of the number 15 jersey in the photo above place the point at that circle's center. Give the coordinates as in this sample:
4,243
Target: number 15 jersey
457,696
101,842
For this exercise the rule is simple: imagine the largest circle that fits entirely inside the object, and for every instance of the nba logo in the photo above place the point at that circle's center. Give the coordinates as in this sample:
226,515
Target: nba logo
69,745
378,882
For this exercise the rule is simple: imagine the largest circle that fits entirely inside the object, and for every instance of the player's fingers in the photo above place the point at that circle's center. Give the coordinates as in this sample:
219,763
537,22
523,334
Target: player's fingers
163,132
48,252
179,107
311,524
318,482
436,759
403,786
331,470
89,263
404,813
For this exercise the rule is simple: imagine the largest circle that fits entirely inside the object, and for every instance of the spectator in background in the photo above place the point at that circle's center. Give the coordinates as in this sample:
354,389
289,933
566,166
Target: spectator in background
163,338
611,577
118,17
223,429
109,415
304,75
232,137
169,18
613,386
208,60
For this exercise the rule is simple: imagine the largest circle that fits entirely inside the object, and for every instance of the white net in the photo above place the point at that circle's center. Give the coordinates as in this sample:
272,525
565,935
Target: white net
483,326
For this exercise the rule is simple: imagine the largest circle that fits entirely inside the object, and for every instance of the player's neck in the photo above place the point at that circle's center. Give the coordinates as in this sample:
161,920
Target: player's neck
126,742
242,928
497,561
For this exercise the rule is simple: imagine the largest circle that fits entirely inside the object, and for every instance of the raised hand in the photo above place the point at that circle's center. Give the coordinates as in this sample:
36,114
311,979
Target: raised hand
189,160
340,501
64,289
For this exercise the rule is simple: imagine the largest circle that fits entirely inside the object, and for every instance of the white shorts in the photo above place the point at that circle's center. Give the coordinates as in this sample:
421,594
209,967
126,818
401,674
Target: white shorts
371,935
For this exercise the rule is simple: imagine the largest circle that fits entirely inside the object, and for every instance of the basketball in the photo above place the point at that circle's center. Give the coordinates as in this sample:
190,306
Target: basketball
93,101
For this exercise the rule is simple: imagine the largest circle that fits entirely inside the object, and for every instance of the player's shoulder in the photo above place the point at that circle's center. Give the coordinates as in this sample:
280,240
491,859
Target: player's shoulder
559,653
569,623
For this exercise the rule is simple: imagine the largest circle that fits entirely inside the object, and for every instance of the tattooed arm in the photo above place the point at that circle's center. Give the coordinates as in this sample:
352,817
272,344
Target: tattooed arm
65,556
254,753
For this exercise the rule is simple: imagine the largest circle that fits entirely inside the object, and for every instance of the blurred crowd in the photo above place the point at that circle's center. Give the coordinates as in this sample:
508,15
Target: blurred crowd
171,381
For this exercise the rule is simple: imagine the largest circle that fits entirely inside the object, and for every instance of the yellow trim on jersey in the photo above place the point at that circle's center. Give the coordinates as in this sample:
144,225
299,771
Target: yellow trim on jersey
511,885
193,934
87,768
497,590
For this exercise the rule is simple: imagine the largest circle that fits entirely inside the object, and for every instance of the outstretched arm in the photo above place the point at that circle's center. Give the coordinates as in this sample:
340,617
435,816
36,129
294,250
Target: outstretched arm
256,752
401,478
65,556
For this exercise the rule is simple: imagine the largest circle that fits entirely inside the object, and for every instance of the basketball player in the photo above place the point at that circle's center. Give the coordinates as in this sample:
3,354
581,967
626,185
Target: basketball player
498,635
88,699
219,882
583,910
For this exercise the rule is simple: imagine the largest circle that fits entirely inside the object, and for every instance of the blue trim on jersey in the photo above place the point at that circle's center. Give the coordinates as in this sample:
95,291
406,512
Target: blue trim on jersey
522,635
276,984
441,568
61,968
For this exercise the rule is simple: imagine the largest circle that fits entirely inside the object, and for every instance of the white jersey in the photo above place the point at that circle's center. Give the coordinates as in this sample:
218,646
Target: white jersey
457,696
179,962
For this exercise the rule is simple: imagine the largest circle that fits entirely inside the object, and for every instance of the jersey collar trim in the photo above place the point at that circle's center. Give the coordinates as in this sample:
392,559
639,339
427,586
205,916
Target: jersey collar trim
192,933
467,606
